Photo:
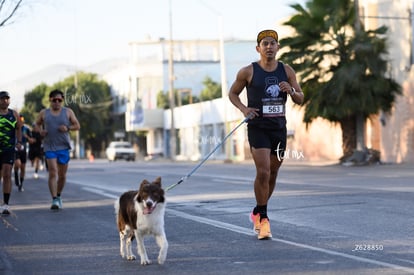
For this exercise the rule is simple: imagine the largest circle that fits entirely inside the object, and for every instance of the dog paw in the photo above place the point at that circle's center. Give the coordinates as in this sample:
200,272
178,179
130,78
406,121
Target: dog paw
145,262
161,260
131,258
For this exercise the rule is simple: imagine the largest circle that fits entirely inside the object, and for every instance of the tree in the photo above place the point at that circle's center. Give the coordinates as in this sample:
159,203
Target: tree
34,102
163,100
343,68
90,99
8,9
211,90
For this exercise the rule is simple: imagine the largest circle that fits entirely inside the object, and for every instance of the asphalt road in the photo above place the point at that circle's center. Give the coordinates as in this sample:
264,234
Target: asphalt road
325,220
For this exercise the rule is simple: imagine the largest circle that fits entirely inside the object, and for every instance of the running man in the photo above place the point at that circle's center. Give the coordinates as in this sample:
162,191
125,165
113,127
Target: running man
54,124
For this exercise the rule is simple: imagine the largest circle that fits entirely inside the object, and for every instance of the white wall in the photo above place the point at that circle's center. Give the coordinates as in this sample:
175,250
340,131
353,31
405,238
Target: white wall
200,125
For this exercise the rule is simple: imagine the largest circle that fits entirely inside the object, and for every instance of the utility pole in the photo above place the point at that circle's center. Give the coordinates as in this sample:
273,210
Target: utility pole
171,88
77,146
227,147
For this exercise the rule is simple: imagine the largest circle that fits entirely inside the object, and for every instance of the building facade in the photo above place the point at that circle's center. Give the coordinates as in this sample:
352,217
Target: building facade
393,134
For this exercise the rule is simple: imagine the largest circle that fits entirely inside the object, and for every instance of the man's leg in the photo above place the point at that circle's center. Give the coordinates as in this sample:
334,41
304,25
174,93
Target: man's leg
36,164
16,168
262,189
275,164
262,162
6,173
36,167
23,159
52,181
22,171
63,163
62,169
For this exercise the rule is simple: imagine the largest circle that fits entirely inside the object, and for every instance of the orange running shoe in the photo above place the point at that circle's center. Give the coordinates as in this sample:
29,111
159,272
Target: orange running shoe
255,219
264,232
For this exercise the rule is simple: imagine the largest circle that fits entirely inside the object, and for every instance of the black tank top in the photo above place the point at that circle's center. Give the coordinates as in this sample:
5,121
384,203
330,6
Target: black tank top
264,93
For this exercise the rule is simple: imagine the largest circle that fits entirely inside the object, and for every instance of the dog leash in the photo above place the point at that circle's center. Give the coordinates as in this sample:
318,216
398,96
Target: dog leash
205,159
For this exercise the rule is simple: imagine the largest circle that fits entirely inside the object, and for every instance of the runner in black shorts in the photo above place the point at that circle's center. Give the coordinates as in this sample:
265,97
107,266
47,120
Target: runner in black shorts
10,139
35,150
268,82
21,157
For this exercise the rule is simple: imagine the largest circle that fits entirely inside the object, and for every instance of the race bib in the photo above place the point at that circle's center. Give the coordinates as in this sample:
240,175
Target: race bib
273,108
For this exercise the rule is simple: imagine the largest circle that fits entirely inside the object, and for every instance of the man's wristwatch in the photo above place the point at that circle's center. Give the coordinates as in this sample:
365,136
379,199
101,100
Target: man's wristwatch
292,92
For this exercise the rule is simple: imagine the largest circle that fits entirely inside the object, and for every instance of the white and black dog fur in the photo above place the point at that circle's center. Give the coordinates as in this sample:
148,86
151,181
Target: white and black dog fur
140,213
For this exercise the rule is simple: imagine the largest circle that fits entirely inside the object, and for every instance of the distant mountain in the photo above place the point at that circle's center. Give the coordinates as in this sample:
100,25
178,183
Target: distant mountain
54,73
105,66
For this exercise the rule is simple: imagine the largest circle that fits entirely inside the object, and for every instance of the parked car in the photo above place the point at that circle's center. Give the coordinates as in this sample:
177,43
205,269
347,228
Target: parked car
120,150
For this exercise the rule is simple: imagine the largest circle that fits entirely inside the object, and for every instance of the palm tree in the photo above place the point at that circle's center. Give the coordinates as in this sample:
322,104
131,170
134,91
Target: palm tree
343,68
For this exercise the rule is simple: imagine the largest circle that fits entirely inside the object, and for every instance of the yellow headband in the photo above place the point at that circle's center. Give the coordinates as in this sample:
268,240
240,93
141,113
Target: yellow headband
267,33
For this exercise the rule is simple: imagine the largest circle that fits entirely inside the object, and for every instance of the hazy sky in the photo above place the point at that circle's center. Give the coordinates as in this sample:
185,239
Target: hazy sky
82,32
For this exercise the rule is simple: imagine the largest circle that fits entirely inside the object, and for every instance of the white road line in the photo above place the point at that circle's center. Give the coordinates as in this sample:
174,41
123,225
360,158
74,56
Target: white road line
100,192
249,232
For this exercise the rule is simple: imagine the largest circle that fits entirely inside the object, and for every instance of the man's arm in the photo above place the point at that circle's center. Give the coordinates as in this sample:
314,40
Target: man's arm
298,95
19,125
39,123
75,125
242,80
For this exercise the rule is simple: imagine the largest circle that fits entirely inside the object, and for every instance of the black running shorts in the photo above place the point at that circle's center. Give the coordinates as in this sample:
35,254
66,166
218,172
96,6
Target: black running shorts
7,157
267,138
22,155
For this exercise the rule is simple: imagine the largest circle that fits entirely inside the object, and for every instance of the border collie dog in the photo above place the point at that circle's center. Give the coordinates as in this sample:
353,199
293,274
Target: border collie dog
140,213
